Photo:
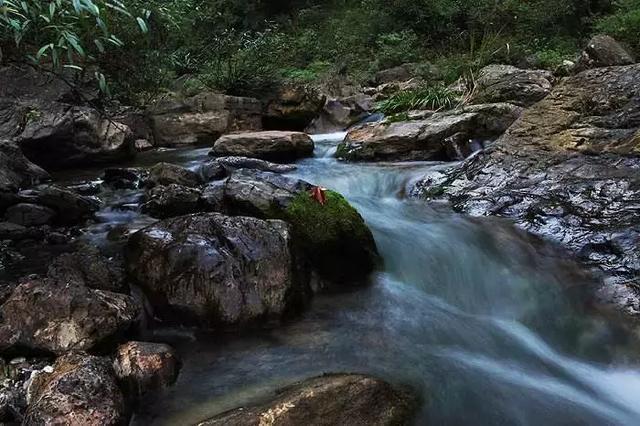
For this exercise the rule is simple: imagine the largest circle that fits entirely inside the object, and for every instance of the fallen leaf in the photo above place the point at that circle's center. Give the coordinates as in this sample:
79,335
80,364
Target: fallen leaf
318,194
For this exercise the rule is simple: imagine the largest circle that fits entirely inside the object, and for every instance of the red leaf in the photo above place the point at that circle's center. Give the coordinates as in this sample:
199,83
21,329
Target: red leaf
318,194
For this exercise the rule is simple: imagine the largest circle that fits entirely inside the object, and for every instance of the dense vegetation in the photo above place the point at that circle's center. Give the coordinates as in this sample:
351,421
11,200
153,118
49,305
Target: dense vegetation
248,47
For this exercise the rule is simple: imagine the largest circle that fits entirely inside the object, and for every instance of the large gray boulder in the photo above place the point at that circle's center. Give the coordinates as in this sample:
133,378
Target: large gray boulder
171,200
279,146
201,119
58,135
292,107
41,315
506,83
217,271
333,399
567,170
340,114
426,139
604,51
81,390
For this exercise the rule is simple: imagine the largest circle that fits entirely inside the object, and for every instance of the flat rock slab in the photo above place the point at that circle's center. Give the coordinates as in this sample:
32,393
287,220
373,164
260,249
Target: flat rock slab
335,399
275,146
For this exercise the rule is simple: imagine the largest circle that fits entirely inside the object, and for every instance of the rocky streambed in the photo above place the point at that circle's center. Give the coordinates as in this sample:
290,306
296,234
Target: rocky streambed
477,263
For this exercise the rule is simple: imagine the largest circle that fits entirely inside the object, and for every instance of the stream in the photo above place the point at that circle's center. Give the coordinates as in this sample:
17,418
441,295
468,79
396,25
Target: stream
484,321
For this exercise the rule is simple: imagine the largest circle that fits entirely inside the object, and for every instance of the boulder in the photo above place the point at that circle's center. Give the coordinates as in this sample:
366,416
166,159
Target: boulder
217,271
15,378
223,166
32,84
333,399
43,316
144,367
425,139
69,206
88,267
16,172
171,200
603,51
339,114
26,214
567,170
400,73
81,391
293,107
125,177
168,174
201,119
335,241
57,135
278,146
505,83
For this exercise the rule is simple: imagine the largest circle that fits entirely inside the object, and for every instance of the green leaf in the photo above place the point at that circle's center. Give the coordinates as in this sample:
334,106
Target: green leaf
143,25
74,67
99,45
42,50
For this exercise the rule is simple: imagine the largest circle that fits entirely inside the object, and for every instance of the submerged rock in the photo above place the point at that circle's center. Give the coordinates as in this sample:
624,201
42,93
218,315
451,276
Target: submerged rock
425,139
125,177
44,316
334,399
273,146
81,390
146,367
217,271
567,170
506,83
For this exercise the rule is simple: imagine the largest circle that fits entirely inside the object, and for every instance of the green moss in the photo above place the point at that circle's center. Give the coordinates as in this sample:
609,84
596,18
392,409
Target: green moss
334,236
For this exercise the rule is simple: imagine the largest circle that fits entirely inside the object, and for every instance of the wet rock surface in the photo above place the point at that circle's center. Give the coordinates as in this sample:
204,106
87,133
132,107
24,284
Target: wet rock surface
172,200
16,376
506,83
567,170
16,171
425,139
168,174
278,146
81,390
202,118
41,315
145,367
70,207
215,270
334,399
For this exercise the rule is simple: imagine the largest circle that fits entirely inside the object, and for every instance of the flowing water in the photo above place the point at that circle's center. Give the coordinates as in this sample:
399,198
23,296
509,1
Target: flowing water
482,320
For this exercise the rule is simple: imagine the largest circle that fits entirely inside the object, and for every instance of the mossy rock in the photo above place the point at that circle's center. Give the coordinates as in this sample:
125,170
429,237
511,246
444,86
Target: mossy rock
334,237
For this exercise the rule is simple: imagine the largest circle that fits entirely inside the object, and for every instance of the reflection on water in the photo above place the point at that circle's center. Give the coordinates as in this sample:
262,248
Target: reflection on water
485,321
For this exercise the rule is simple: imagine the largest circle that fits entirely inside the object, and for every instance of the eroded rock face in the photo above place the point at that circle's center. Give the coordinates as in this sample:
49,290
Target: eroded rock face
505,83
203,118
16,171
81,391
425,139
146,367
59,135
339,114
273,146
334,399
567,170
215,270
292,108
43,316
604,51
222,166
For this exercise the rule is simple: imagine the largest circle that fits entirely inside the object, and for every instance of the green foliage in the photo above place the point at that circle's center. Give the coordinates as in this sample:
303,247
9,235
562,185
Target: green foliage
430,97
624,23
65,33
